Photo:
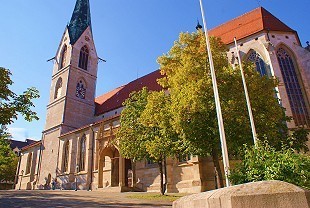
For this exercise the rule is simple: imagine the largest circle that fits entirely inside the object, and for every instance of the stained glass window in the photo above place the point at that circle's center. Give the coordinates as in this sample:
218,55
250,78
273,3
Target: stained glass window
66,157
293,88
80,90
63,55
83,61
82,153
259,63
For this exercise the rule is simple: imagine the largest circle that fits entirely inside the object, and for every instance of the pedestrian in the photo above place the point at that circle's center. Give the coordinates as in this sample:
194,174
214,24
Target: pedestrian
54,184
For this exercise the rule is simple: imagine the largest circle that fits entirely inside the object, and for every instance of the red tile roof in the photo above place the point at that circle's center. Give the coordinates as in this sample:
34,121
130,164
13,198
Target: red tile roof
115,98
243,26
248,24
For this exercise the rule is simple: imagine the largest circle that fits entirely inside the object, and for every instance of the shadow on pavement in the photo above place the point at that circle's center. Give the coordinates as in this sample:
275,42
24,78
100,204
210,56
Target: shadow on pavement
70,199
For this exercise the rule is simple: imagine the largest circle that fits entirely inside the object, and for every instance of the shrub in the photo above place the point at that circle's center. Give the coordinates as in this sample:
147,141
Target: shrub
264,162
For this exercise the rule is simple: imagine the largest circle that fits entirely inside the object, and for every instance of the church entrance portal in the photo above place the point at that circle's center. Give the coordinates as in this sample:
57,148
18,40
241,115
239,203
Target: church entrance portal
109,168
114,171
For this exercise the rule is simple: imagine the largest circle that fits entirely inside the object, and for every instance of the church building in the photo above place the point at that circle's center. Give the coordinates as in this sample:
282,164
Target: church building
75,149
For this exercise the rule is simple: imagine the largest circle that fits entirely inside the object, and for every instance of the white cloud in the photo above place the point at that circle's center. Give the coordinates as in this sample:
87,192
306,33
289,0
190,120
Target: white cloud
19,134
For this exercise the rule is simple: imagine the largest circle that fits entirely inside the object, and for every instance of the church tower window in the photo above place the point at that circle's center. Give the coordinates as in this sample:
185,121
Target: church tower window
293,88
255,58
63,55
29,160
58,88
82,153
80,89
83,61
66,157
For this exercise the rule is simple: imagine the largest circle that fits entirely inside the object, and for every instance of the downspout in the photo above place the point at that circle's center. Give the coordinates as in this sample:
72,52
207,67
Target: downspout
92,157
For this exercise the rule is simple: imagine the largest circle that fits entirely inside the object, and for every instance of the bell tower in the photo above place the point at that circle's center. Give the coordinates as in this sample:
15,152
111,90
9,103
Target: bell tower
74,76
72,93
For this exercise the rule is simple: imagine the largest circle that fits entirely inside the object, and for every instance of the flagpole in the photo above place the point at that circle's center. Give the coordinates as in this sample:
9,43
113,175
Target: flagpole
217,100
246,95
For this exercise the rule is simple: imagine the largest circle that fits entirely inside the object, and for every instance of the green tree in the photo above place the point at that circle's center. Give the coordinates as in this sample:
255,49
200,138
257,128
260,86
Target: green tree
188,79
8,160
146,132
264,162
12,105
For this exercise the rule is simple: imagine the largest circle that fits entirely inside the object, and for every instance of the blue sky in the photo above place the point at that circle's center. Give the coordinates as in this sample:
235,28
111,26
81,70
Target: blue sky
129,34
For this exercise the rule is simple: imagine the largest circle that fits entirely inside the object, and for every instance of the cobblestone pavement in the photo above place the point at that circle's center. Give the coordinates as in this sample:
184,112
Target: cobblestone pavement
64,199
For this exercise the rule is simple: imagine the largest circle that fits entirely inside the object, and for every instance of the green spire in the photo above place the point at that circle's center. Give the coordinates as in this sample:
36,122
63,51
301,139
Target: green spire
80,20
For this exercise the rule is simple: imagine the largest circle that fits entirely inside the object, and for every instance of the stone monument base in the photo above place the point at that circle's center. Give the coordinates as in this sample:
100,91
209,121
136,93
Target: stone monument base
263,194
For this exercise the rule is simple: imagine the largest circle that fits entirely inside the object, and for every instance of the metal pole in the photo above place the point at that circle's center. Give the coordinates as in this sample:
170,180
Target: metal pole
246,95
217,100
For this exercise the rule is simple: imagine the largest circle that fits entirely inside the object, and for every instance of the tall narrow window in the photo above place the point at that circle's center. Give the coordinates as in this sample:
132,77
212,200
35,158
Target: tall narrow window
258,61
66,157
58,88
80,89
29,161
293,88
62,61
83,61
82,153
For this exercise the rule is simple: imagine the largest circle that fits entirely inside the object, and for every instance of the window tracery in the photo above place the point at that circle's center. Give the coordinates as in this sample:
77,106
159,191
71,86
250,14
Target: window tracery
82,153
83,61
63,56
293,88
66,157
29,161
58,88
258,61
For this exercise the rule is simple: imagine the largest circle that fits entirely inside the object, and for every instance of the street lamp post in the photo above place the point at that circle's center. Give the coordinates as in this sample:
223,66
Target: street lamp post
217,100
76,175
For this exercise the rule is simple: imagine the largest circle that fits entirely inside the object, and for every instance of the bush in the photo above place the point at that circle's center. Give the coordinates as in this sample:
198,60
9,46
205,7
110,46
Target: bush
263,162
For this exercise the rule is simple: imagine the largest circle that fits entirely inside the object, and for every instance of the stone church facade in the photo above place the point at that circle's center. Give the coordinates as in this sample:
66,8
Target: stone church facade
76,147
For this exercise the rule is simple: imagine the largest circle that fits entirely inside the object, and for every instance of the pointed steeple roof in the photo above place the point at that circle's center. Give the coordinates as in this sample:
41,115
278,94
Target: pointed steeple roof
80,20
248,24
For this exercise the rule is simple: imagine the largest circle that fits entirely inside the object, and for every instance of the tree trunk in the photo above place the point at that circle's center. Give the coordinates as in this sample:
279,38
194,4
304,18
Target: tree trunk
166,177
160,166
218,171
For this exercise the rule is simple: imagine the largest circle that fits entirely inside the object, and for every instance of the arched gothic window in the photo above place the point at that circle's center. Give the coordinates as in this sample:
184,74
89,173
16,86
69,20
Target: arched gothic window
80,89
258,61
293,88
82,153
66,157
58,88
83,61
29,161
62,61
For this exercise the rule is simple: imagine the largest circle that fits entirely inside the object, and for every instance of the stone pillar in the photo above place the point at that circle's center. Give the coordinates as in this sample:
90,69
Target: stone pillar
121,170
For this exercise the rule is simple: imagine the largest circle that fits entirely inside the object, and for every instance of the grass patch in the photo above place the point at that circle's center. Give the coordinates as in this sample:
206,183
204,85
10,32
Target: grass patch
156,196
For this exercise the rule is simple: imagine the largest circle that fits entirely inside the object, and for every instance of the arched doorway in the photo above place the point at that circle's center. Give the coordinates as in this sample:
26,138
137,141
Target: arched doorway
128,173
108,168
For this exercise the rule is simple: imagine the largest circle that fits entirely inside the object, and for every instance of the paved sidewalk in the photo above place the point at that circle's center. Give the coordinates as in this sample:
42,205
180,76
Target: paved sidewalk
64,199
